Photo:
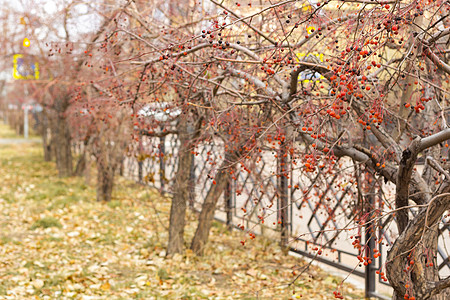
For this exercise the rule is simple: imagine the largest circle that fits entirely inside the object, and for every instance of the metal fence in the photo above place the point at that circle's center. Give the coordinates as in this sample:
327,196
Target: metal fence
311,212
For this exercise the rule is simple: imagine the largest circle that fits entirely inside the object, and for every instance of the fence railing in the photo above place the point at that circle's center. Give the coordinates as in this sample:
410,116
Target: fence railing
311,212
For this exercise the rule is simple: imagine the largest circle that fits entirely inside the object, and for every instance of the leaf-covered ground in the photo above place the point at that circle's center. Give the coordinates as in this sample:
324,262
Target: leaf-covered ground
57,242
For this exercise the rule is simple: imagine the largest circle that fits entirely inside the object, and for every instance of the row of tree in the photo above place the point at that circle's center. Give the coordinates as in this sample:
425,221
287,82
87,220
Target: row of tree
367,80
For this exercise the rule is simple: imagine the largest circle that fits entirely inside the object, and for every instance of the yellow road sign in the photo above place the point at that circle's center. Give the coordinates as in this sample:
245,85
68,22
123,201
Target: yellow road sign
307,76
24,68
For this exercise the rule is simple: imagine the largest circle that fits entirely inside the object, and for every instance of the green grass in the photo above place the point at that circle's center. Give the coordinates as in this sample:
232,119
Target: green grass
5,240
46,222
52,239
162,274
114,204
63,202
7,133
3,290
105,247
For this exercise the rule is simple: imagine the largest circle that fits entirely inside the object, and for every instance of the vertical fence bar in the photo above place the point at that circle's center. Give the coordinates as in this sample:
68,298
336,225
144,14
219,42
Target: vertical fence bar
140,160
229,204
370,236
140,177
290,197
192,180
162,167
283,190
121,166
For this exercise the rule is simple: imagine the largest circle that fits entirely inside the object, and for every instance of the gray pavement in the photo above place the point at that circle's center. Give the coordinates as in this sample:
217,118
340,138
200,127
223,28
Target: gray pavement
19,141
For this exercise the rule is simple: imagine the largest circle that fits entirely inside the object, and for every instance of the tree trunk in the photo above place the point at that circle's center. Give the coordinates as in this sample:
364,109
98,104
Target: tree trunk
62,147
208,209
105,181
411,265
422,272
181,189
80,167
46,138
19,123
178,207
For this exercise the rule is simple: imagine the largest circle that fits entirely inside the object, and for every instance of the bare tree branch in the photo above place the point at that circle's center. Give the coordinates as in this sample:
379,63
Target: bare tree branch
436,60
434,139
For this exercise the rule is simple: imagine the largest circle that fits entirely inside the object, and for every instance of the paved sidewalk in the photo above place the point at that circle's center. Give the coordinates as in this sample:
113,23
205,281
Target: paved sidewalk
19,141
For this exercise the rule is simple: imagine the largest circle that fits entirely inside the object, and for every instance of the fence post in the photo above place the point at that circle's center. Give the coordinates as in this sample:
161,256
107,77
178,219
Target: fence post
370,236
283,191
140,160
229,203
162,167
192,183
121,166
